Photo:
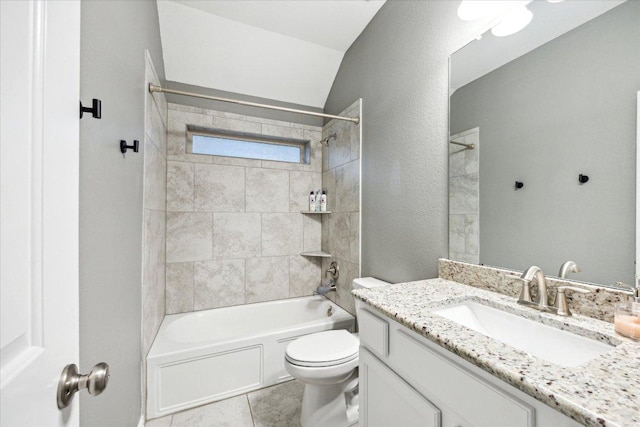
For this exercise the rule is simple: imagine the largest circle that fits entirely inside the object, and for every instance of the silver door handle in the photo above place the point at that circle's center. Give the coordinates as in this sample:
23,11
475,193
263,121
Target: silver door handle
71,381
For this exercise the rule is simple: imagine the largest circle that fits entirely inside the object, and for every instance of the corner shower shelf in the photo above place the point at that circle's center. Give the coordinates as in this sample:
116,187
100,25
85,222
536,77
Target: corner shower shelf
315,212
316,253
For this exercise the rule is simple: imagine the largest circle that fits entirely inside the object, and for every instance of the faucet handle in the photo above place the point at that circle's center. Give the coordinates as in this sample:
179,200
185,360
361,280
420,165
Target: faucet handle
525,292
334,270
561,299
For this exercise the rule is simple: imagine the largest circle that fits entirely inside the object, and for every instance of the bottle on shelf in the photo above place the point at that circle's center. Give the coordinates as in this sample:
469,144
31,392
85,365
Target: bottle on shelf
312,202
323,201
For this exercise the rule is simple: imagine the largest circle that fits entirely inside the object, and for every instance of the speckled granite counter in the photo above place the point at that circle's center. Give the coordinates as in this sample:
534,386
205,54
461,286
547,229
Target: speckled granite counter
602,392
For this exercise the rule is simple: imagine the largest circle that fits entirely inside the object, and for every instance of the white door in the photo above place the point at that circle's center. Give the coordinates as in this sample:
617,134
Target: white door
39,85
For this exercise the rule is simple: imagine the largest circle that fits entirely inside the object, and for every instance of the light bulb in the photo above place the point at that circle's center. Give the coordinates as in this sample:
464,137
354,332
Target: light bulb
513,22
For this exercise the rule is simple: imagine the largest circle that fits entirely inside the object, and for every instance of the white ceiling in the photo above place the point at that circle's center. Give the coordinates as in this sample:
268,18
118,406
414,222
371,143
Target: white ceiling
550,20
284,50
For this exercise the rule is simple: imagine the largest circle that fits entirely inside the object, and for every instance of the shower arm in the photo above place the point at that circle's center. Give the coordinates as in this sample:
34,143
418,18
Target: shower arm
468,146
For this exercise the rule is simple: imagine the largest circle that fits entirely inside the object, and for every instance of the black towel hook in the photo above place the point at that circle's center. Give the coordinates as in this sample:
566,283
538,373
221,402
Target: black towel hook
95,110
124,146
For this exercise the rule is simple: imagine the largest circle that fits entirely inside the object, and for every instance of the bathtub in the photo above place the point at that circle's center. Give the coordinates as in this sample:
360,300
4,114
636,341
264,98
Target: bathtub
210,355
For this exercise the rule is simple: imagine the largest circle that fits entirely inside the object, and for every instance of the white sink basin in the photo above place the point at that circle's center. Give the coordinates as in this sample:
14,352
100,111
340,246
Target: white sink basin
551,344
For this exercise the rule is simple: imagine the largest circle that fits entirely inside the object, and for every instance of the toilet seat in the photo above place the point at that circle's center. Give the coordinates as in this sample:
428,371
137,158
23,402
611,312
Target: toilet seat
323,349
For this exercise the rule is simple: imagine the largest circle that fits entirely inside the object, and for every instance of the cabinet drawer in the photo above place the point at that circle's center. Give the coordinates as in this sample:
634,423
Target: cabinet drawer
374,332
480,403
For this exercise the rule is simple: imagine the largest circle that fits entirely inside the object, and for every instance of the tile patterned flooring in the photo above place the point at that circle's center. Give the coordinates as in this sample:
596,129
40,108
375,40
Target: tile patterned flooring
276,406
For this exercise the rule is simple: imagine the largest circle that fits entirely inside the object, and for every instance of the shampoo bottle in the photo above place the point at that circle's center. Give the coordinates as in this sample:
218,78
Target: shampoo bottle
312,202
323,201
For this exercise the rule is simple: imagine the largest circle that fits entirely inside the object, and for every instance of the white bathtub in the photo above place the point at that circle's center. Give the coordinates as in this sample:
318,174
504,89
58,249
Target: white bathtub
209,355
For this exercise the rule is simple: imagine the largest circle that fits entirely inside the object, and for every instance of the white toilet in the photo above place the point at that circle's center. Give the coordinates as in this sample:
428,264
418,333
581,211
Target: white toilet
326,363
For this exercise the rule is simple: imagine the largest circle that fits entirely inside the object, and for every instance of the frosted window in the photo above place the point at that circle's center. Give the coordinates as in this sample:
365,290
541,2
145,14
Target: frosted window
218,146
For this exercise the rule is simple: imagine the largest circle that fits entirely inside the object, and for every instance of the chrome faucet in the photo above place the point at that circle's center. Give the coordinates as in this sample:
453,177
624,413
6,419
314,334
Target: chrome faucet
542,298
568,267
561,307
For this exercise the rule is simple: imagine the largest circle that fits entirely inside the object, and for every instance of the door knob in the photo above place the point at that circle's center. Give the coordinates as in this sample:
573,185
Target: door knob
71,381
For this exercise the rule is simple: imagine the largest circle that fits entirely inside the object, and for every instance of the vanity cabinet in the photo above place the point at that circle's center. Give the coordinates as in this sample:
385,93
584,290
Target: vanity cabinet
390,401
406,380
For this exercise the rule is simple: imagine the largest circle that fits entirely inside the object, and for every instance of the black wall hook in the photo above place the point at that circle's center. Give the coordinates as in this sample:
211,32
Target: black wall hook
519,185
124,146
95,110
583,178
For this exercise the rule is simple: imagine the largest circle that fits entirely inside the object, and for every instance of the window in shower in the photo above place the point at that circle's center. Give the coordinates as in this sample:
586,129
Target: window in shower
216,142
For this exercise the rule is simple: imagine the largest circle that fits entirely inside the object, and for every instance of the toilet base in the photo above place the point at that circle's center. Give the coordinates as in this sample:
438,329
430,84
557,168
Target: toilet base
326,405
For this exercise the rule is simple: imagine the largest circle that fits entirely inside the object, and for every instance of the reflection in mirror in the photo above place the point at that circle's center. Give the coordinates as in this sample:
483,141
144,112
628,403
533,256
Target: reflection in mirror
561,107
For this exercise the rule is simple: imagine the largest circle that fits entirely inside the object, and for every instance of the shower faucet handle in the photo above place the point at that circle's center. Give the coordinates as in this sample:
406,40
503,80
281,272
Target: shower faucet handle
334,270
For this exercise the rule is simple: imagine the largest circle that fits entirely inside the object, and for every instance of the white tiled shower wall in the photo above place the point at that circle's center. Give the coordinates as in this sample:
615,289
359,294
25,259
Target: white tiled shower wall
154,202
234,227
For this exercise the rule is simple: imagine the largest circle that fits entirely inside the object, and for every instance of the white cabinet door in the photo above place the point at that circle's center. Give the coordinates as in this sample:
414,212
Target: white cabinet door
387,400
39,84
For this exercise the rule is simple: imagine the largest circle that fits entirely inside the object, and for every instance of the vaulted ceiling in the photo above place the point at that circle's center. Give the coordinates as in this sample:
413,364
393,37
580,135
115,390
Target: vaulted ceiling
283,50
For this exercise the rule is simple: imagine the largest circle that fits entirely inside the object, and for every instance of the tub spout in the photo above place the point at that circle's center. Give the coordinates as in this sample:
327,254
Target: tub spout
325,289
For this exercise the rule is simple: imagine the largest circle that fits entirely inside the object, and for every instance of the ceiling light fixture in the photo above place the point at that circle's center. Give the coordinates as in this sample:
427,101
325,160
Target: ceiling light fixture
512,22
470,10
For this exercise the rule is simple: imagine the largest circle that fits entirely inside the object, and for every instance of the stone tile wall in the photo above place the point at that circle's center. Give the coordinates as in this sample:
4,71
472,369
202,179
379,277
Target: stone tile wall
341,180
154,201
234,228
464,202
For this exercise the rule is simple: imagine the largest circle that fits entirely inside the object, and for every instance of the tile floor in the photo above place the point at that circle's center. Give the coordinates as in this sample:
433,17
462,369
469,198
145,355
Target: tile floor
276,406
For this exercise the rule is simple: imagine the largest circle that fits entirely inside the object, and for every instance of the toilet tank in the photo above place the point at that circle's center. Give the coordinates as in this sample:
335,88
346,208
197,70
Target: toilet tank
367,283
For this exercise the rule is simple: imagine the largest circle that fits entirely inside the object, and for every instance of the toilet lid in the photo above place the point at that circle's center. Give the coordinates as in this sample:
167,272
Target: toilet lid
326,348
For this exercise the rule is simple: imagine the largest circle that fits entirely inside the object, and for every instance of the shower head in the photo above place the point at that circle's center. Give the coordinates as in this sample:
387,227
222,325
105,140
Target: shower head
325,141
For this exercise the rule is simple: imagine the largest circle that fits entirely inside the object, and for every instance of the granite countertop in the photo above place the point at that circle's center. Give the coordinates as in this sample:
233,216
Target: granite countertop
602,392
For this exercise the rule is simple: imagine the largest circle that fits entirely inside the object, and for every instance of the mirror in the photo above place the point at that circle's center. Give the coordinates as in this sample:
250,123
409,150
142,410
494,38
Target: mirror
551,114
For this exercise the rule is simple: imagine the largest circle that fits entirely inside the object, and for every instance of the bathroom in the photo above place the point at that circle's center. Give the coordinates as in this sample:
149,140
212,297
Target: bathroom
398,67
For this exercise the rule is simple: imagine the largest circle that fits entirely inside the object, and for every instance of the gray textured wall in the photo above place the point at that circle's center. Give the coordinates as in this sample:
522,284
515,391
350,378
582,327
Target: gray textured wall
241,109
114,37
569,107
399,67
